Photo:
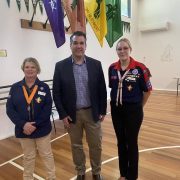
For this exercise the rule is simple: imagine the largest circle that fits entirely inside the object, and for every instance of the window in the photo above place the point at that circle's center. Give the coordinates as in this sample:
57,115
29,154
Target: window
126,8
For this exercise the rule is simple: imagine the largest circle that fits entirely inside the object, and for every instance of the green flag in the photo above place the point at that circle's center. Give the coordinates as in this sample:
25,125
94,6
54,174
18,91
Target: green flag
34,3
74,4
8,1
41,6
27,4
114,24
18,4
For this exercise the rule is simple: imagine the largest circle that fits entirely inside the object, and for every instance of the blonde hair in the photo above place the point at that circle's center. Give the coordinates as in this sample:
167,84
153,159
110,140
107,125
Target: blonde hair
126,41
34,61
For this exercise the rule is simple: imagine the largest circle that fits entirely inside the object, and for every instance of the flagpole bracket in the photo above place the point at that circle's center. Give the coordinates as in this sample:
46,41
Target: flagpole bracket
35,25
45,24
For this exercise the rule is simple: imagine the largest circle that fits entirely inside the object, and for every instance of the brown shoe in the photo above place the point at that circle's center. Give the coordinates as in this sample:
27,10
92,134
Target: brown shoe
97,177
80,177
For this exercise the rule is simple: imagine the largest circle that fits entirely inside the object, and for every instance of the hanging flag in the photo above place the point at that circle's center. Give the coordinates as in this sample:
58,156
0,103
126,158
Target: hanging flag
34,3
18,4
96,14
76,14
8,2
41,6
114,23
56,18
27,5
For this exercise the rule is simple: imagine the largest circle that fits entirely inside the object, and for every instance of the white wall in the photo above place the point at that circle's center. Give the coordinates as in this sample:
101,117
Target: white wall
158,50
21,43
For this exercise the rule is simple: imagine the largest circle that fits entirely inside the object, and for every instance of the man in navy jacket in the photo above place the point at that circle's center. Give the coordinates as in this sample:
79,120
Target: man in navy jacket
79,93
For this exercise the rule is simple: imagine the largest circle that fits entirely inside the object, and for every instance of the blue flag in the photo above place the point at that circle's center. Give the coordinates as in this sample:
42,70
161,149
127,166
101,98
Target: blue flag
55,14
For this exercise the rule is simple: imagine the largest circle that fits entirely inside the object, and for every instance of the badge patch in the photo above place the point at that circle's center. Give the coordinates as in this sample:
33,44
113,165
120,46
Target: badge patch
135,71
131,79
148,84
41,88
129,88
41,93
38,100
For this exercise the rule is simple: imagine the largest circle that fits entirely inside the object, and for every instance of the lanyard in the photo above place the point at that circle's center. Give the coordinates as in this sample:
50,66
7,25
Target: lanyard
29,98
120,85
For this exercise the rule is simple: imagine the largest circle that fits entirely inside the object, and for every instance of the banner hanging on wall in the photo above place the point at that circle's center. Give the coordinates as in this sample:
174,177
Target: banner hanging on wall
96,14
41,6
76,15
19,4
8,2
55,14
27,5
114,23
34,3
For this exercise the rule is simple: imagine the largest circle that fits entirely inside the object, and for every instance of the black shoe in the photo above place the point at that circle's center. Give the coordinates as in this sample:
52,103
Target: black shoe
97,177
80,177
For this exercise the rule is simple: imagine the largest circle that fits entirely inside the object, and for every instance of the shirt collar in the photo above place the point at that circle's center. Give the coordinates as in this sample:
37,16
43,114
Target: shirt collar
131,64
75,63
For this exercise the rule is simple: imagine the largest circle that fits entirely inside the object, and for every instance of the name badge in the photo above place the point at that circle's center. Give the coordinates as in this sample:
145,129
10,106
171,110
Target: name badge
41,93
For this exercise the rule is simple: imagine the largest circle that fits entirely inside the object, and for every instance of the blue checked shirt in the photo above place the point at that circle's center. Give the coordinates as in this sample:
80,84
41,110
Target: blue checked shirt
81,82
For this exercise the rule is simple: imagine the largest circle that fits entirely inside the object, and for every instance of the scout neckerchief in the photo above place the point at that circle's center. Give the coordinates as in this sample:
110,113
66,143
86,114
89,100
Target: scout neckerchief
120,85
29,97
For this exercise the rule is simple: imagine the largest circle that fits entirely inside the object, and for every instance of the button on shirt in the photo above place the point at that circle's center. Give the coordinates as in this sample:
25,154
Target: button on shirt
81,83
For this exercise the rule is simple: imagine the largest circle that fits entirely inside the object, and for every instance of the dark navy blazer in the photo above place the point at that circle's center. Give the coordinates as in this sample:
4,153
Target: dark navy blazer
16,109
64,89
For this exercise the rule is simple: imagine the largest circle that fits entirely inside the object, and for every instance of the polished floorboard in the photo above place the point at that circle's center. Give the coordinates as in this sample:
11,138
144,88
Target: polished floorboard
159,146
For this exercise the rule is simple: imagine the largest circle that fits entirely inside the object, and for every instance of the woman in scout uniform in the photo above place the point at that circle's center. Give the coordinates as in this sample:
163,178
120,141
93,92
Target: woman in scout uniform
130,90
29,108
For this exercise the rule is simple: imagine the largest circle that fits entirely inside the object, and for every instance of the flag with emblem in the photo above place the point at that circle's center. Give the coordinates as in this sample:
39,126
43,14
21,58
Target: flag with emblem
56,18
114,24
76,15
95,11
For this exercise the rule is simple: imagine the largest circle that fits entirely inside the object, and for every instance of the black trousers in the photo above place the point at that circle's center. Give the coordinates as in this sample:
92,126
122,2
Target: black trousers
127,120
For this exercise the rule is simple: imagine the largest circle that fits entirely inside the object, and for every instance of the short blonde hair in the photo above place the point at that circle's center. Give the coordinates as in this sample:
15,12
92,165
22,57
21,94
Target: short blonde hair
34,61
126,41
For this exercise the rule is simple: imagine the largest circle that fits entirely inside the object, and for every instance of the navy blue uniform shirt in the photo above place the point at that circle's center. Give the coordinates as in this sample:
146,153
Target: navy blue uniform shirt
17,110
135,83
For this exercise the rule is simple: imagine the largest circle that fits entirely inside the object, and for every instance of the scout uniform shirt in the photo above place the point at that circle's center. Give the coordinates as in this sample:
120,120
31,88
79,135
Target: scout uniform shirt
134,83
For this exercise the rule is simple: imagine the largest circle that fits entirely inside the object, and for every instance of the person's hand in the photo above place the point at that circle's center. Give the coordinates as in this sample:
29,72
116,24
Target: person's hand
66,122
29,128
101,117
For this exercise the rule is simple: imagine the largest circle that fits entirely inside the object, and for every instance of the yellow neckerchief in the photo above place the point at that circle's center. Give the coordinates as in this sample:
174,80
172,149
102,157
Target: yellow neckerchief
29,98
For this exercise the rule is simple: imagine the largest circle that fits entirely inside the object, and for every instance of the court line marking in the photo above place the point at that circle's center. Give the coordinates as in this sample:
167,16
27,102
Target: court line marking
143,150
23,154
11,160
21,168
59,137
89,169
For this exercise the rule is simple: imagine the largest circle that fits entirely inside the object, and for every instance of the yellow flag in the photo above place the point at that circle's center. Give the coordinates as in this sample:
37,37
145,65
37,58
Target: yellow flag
95,11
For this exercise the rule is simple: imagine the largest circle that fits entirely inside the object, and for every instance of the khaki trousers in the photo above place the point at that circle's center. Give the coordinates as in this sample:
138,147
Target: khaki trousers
84,121
30,147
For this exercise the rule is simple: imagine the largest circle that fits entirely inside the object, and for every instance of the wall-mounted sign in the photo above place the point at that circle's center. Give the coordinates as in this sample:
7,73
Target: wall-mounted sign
3,53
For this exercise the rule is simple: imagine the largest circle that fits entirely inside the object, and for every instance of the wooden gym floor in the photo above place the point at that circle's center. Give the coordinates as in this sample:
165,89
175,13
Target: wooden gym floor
159,146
